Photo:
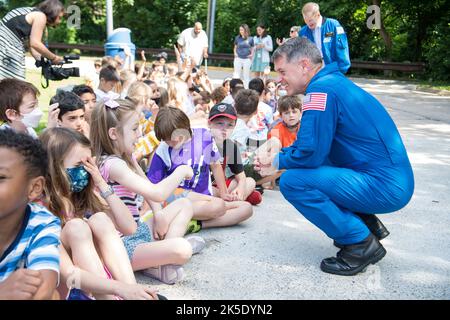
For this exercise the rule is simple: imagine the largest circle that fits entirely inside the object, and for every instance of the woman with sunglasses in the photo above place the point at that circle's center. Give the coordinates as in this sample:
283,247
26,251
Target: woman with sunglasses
27,24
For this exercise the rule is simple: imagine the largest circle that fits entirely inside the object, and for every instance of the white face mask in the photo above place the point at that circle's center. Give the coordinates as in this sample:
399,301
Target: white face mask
32,119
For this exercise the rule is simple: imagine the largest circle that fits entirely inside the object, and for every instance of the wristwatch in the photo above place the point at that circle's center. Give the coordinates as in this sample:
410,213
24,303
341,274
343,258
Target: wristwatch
107,193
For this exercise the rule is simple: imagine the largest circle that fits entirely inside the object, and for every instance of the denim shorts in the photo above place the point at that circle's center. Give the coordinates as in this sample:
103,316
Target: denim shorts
142,235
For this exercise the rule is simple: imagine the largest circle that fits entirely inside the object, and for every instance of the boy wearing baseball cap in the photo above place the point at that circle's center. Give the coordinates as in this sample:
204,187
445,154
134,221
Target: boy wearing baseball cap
222,121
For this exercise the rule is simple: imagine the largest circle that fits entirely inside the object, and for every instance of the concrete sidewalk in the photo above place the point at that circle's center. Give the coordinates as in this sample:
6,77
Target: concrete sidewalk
277,253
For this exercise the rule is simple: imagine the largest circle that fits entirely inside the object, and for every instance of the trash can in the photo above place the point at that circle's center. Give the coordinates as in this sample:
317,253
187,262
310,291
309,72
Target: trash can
117,41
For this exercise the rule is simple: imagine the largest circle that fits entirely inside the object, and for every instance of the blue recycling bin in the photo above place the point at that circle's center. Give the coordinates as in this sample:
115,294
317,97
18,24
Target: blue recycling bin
117,41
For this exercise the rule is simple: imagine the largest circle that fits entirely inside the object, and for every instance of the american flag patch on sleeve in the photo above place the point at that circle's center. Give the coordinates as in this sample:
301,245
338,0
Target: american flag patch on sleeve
315,101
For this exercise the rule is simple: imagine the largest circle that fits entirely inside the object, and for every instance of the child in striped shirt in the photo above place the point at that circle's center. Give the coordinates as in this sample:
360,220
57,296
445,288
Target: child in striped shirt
29,233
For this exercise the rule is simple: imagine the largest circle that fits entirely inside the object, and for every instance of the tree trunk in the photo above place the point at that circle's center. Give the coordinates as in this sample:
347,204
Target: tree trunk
384,34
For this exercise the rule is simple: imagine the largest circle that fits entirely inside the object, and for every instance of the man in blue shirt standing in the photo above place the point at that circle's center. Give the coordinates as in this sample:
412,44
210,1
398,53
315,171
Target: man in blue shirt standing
348,162
327,34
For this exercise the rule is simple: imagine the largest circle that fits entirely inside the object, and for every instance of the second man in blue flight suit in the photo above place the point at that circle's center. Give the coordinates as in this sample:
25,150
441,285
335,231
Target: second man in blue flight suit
328,35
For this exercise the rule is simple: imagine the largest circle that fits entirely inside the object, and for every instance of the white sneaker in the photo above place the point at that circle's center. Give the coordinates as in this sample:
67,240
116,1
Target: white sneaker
168,273
197,243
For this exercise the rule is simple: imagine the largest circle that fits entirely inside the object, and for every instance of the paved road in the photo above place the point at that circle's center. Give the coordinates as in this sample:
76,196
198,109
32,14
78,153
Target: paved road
276,254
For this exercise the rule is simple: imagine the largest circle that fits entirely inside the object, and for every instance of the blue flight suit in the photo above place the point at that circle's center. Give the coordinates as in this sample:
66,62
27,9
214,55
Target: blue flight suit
348,157
334,43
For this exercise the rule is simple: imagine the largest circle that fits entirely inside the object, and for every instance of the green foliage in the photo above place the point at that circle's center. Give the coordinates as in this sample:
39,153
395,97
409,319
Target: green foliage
419,29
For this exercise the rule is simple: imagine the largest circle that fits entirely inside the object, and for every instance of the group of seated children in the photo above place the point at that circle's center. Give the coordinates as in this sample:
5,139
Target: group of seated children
113,185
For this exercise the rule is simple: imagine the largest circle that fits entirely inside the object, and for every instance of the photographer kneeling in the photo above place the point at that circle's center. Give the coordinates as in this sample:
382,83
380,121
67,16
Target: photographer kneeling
22,24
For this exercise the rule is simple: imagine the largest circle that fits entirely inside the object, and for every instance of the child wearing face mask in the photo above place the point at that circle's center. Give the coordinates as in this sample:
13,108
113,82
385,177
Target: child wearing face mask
19,108
93,259
113,141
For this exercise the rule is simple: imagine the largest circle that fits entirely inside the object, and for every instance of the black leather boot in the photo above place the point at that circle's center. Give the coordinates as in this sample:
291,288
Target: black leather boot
354,258
374,224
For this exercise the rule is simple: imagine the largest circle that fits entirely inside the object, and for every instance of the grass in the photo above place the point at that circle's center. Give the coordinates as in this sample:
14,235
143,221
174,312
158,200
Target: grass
46,94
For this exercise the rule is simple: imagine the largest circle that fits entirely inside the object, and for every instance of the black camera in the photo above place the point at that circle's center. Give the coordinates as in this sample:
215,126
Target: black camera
57,73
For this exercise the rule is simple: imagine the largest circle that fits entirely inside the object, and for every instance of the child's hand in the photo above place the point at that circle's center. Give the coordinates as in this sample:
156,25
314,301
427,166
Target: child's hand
187,171
22,284
229,197
237,194
91,167
136,292
143,56
160,226
53,112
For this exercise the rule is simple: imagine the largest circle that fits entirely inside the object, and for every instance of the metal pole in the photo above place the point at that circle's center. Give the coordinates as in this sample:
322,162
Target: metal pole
109,17
211,22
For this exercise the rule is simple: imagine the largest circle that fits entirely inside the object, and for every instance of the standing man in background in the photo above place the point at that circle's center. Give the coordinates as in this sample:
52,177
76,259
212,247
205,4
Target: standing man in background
328,35
193,43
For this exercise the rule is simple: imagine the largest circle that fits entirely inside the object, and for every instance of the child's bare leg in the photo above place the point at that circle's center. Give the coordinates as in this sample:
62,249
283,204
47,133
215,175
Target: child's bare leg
170,251
111,248
178,215
77,237
206,207
237,211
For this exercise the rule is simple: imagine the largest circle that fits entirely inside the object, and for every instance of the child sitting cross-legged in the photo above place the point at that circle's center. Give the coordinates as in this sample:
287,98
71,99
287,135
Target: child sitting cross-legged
181,145
94,262
29,233
222,121
113,140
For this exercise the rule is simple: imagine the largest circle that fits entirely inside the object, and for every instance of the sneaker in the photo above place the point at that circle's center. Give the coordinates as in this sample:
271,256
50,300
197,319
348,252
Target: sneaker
194,226
260,189
197,243
254,198
168,274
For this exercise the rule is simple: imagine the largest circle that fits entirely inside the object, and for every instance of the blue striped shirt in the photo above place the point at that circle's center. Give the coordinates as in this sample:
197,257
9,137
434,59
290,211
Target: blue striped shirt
36,245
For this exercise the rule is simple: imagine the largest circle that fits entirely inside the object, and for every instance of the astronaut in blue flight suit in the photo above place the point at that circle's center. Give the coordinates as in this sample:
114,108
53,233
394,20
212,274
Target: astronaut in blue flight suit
327,34
348,162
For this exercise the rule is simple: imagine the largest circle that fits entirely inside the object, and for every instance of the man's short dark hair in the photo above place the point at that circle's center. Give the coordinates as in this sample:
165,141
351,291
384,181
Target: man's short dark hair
296,48
246,102
68,101
257,84
82,89
109,73
34,155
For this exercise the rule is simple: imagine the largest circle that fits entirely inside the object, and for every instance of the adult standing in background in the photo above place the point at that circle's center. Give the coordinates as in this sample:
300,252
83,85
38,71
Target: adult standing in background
293,33
193,44
327,34
263,47
23,24
243,53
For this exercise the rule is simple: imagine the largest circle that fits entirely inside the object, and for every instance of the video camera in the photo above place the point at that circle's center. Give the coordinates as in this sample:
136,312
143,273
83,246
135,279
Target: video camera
57,73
